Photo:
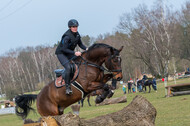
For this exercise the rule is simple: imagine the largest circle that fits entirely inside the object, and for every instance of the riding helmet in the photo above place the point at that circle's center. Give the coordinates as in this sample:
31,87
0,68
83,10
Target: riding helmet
73,23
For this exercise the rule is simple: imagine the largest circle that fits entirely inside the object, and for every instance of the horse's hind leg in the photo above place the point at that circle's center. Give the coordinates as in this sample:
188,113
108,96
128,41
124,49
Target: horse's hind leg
47,109
144,88
82,102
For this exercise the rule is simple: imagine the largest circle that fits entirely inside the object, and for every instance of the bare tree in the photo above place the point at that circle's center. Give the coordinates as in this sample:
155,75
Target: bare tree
37,66
184,19
151,35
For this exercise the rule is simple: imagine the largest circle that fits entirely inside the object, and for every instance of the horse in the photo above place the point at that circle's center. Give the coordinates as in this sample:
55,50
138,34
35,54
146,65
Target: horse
52,101
145,84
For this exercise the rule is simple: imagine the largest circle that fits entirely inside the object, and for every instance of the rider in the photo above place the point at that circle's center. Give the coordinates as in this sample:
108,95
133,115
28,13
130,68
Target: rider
65,50
144,78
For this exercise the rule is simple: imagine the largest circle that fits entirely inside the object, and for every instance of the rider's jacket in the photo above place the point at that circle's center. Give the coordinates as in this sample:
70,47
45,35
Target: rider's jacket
145,77
68,43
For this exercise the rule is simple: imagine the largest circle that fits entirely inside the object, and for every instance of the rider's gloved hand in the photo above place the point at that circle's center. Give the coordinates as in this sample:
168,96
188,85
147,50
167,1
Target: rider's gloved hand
78,53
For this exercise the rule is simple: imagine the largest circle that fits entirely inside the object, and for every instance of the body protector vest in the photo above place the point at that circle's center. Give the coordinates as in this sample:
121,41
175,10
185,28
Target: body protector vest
72,43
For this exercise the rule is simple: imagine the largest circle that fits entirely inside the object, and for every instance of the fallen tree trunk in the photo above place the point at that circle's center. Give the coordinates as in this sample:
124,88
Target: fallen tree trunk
121,99
139,112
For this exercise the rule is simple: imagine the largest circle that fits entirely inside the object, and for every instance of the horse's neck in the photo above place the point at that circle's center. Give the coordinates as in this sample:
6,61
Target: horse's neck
96,59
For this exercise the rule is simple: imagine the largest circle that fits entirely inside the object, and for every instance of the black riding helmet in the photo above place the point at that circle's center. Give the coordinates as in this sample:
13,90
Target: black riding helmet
73,23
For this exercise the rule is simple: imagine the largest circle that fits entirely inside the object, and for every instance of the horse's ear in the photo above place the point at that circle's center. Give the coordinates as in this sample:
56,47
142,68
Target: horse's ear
120,48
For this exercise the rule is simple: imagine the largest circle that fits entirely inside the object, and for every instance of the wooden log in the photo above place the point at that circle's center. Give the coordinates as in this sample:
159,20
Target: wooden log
181,93
121,99
139,112
44,121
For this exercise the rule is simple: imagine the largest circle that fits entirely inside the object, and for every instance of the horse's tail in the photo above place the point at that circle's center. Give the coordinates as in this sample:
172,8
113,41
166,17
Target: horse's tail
23,103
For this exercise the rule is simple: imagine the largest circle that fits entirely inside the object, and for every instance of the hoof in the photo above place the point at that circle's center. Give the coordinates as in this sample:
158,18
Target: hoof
98,100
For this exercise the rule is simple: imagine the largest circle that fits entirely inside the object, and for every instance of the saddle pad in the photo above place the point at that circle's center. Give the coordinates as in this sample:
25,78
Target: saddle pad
58,79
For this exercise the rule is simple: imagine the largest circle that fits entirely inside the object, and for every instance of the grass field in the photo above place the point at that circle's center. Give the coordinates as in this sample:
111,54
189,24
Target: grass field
172,111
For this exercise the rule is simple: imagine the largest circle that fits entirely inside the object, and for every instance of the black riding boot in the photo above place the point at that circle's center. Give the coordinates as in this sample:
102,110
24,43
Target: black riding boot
67,79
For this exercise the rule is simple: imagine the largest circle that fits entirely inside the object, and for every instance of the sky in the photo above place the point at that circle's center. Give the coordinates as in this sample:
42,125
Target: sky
43,22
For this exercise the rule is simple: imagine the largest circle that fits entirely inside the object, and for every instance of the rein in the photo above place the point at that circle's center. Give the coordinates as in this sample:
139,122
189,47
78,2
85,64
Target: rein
100,67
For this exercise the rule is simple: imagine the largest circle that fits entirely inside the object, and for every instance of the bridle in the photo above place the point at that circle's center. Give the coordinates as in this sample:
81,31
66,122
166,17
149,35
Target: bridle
111,65
101,68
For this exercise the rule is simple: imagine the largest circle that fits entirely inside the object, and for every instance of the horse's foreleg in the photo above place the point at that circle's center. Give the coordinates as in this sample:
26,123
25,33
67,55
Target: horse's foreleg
111,88
111,92
89,100
97,85
100,98
149,88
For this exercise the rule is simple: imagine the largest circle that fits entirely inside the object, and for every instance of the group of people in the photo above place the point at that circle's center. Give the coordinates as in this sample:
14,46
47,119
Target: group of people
134,87
131,86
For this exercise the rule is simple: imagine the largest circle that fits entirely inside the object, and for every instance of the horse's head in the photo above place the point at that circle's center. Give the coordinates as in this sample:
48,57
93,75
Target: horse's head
113,63
100,53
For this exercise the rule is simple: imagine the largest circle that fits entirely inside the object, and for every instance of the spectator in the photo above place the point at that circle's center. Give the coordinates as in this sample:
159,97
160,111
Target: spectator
154,84
188,69
124,88
133,87
137,84
129,86
144,78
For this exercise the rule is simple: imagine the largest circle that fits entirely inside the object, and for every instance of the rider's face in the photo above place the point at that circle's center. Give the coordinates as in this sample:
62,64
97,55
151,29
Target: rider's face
74,28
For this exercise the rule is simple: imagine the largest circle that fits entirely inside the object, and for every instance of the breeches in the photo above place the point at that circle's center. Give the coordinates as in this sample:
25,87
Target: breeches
66,64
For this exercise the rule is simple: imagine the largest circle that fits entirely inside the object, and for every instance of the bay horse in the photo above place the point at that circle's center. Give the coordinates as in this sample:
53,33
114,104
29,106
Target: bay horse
52,101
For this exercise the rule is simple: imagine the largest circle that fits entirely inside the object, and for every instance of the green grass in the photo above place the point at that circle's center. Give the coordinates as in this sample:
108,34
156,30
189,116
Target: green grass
172,111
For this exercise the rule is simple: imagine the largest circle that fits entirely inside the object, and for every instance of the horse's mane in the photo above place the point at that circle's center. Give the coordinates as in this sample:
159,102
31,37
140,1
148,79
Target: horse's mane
99,45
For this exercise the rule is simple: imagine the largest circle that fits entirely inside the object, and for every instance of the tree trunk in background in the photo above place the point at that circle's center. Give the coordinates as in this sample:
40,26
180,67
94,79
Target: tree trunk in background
11,75
29,74
19,77
1,90
42,64
2,81
37,67
27,83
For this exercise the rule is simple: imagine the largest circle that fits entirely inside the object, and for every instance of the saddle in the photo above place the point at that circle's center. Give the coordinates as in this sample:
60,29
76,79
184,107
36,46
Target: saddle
59,72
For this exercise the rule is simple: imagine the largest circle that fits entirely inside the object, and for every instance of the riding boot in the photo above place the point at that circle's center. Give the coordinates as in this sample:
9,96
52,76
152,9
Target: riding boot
68,89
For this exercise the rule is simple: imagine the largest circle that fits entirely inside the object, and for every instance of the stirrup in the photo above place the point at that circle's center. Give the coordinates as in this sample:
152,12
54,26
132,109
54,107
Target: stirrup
68,92
68,89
